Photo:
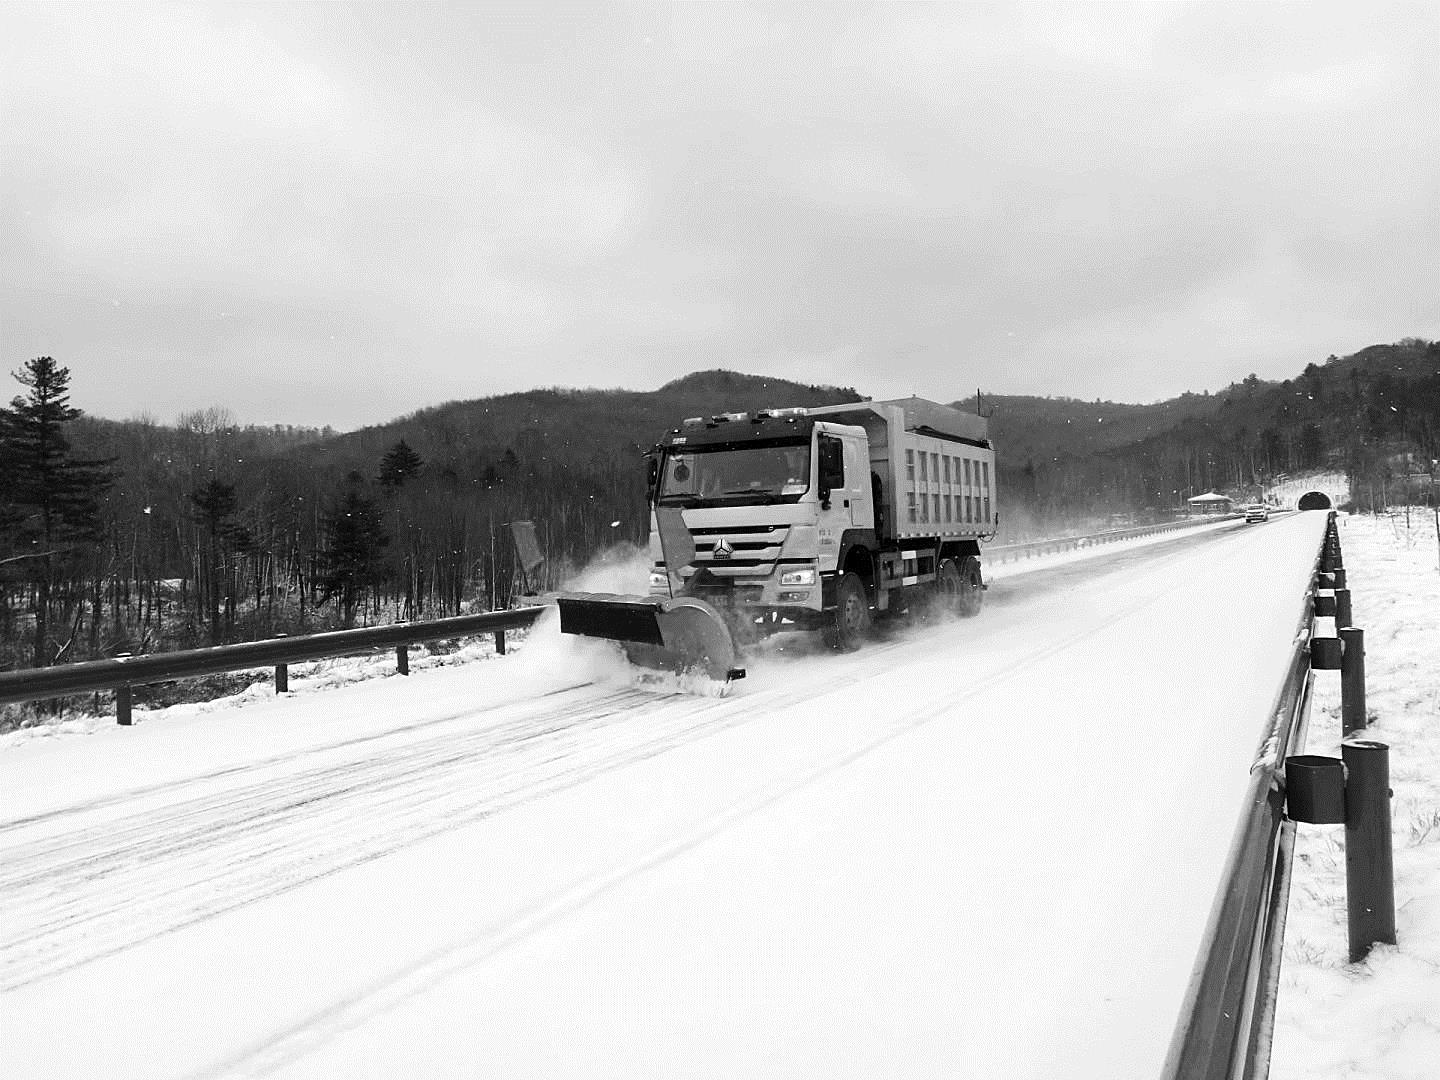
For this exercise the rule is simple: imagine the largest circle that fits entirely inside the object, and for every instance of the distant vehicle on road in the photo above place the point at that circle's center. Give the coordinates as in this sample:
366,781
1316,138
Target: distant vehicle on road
1257,512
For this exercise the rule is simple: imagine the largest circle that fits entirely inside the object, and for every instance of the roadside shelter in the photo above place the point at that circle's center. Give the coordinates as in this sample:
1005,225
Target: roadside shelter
1209,503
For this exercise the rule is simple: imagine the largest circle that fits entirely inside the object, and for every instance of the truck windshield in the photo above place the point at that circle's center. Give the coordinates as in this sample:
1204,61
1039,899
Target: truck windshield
770,472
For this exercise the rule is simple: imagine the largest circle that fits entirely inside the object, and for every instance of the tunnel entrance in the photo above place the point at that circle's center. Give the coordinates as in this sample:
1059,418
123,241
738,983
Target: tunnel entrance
1314,500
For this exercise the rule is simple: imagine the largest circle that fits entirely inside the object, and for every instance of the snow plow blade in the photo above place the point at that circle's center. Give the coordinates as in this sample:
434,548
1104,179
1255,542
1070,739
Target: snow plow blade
680,634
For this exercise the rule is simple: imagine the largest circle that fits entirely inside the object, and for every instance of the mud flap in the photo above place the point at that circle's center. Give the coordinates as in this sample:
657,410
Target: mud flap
682,634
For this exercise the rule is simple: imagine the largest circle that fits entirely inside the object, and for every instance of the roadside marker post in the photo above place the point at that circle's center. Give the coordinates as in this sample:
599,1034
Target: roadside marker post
1352,680
1369,856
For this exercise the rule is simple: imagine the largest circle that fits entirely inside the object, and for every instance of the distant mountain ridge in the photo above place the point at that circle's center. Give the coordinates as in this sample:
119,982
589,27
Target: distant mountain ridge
1054,452
560,424
1046,427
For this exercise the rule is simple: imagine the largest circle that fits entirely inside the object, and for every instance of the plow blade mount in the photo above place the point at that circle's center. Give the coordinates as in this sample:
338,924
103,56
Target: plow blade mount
679,634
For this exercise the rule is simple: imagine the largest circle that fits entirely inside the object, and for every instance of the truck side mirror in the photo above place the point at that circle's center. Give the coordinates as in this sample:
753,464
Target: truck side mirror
652,477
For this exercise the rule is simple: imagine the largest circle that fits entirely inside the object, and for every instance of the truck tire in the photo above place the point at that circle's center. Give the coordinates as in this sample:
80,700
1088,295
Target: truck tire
972,588
945,600
851,619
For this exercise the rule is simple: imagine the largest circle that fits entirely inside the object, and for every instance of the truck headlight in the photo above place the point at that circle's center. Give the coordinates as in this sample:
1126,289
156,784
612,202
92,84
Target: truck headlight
798,577
659,581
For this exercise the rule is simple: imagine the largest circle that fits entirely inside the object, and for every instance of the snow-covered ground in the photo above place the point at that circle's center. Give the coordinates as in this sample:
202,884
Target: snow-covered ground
1380,1018
987,848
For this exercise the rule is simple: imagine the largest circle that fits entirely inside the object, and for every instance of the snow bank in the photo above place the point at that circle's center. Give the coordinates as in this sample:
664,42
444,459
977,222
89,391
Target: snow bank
1380,1018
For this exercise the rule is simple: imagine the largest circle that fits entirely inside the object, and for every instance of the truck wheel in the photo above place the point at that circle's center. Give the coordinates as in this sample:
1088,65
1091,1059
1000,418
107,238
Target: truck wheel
851,618
948,586
972,588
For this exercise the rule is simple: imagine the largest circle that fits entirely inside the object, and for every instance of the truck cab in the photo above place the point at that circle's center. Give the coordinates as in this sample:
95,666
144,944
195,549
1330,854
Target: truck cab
769,501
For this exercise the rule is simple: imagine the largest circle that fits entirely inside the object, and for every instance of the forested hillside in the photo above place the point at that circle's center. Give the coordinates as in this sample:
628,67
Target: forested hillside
1375,414
136,536
1043,429
208,532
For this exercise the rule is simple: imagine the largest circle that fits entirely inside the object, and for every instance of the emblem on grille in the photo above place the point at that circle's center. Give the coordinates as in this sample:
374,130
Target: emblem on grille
723,550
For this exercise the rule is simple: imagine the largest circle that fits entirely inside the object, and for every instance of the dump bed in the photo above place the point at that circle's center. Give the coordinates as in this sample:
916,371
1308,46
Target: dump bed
935,466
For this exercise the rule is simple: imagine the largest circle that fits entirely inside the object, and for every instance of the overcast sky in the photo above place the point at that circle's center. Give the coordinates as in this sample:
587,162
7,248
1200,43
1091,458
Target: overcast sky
337,214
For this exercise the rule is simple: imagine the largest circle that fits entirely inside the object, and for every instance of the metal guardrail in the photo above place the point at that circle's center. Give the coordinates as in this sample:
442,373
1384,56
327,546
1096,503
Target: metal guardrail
1010,552
121,673
1226,1022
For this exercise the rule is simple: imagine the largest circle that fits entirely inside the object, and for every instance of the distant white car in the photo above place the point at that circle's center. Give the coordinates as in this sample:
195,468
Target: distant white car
1257,512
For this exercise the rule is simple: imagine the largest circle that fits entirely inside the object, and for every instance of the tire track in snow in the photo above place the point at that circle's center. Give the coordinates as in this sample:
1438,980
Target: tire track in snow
293,786
69,812
92,894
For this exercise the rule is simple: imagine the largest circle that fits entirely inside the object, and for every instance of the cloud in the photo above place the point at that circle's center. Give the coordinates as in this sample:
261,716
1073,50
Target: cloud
1116,200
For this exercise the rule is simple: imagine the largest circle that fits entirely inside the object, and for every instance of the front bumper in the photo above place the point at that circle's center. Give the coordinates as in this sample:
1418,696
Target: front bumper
758,593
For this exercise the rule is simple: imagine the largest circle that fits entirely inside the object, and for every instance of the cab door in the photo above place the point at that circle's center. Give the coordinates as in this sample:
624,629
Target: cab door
833,517
844,480
857,482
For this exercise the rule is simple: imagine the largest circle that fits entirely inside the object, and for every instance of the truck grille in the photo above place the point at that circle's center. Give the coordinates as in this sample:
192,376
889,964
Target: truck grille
739,552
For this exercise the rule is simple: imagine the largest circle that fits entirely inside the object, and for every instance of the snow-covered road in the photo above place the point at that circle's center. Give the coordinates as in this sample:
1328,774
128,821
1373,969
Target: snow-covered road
986,848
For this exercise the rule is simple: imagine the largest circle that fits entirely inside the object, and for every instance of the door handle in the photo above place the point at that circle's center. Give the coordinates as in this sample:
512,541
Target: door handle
847,504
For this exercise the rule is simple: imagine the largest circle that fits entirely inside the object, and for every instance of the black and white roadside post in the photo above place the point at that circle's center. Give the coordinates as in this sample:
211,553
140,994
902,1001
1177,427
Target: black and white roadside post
124,700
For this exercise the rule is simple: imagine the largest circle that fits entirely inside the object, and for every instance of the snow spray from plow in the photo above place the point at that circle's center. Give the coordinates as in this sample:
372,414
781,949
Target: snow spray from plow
679,634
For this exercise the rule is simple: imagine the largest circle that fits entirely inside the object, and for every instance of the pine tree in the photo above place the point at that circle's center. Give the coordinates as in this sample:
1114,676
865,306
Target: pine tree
353,559
224,539
50,500
399,464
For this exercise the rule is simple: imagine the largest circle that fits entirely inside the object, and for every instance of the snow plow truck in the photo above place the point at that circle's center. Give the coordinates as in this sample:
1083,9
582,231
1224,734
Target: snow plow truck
802,519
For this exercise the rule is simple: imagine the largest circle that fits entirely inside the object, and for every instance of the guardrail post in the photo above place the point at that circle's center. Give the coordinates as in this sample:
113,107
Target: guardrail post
499,642
402,659
1331,559
282,673
1352,680
1369,862
1343,615
123,704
